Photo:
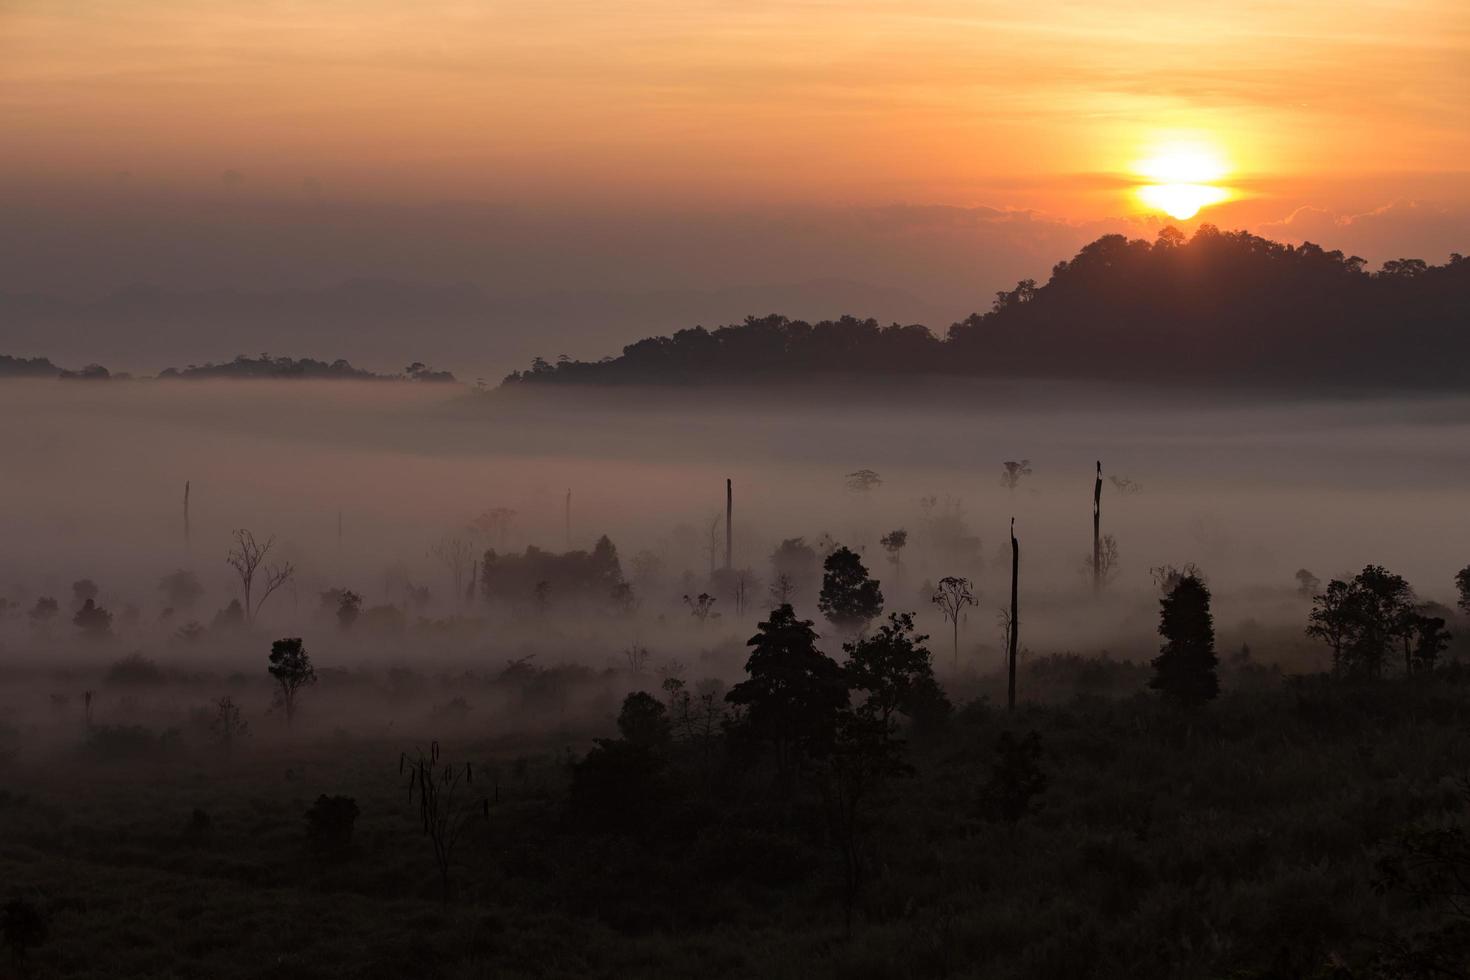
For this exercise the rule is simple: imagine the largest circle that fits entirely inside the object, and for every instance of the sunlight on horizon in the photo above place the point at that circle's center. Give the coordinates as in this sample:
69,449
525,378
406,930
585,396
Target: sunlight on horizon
1182,177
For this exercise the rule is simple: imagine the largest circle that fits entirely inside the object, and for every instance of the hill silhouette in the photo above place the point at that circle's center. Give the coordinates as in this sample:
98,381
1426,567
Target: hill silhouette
242,368
1218,308
27,367
266,367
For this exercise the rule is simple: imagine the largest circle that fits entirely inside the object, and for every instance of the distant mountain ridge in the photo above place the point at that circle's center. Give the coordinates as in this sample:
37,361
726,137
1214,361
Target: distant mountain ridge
480,332
1217,308
243,367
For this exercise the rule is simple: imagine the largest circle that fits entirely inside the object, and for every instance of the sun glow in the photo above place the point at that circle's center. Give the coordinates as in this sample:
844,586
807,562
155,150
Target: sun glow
1182,179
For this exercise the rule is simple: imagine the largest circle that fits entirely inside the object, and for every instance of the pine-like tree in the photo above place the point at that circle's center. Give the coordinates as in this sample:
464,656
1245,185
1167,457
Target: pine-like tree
1184,670
850,599
794,692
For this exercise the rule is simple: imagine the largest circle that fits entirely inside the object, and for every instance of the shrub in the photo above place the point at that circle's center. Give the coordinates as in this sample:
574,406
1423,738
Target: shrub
112,743
329,824
134,669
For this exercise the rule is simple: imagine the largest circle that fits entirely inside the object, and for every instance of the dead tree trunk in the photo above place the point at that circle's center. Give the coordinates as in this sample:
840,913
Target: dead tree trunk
729,516
186,516
1015,621
568,520
1097,569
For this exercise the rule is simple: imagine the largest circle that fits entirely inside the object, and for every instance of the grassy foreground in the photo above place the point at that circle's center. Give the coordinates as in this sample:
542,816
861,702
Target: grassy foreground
1239,840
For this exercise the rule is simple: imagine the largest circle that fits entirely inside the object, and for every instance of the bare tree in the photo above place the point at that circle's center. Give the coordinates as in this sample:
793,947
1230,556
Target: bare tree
495,524
701,607
729,524
445,805
637,656
457,555
227,726
712,546
1102,564
247,557
1097,544
1125,486
1167,576
1013,472
952,596
1013,621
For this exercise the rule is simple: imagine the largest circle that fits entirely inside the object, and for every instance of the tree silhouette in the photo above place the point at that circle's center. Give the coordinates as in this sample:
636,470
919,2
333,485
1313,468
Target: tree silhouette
1102,565
349,605
701,607
291,667
952,596
247,557
644,720
45,610
795,562
894,542
457,555
892,667
227,726
849,598
1166,577
591,575
1307,584
619,784
1462,588
94,621
1361,620
1013,471
1424,638
793,693
1184,670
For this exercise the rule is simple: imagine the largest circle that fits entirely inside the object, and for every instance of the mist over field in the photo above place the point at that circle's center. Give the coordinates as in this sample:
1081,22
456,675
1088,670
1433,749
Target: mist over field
1249,488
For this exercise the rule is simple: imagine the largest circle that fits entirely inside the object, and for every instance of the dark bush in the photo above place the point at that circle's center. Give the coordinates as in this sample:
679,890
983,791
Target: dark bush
134,669
114,743
329,824
618,786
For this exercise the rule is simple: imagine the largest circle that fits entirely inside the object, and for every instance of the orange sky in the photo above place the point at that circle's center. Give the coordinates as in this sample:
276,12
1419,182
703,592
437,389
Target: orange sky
1037,105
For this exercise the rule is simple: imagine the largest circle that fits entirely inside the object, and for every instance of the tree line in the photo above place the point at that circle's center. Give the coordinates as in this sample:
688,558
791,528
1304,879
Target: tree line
1215,306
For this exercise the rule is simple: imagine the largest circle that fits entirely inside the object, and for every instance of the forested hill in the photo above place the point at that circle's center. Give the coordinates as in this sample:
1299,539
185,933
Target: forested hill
1217,308
242,368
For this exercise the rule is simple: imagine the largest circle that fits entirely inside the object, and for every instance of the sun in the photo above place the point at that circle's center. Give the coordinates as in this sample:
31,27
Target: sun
1181,178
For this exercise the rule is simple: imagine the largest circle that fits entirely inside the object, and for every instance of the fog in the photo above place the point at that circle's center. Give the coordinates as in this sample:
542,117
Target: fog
1248,489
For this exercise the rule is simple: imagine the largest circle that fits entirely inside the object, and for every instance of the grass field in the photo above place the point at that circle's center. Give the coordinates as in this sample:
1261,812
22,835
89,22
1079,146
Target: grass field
1239,840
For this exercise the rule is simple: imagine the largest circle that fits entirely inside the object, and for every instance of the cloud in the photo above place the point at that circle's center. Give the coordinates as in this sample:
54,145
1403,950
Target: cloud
1399,229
